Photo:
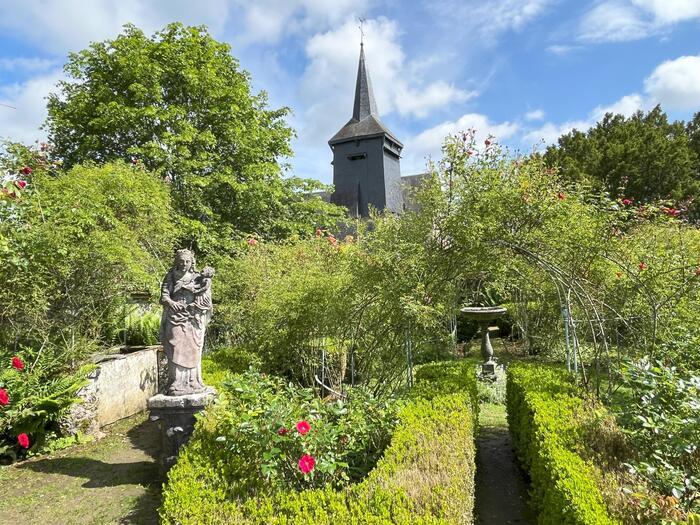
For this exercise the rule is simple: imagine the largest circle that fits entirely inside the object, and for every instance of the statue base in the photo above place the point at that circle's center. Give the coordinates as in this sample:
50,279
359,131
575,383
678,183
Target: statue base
488,371
176,417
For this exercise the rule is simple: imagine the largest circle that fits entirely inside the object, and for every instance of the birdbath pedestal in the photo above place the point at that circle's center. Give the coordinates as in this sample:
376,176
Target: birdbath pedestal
485,315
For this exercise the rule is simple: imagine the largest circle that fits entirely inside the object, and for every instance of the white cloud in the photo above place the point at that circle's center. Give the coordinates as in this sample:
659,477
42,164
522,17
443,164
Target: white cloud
70,25
536,114
627,106
549,132
269,20
624,20
27,113
613,21
675,84
33,64
428,143
486,20
670,11
327,86
561,50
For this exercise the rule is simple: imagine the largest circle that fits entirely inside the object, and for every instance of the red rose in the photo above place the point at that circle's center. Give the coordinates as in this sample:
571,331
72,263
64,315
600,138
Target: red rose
303,427
21,184
306,463
672,212
17,363
252,241
643,265
627,202
282,431
487,142
23,440
561,196
4,398
26,170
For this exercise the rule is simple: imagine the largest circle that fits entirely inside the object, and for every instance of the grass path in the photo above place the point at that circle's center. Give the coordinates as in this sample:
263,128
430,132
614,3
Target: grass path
501,491
113,480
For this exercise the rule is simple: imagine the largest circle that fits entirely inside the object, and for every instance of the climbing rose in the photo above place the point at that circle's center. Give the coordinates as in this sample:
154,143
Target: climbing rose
643,265
17,363
282,431
306,463
303,428
23,440
671,212
561,195
252,242
4,398
21,184
627,202
26,170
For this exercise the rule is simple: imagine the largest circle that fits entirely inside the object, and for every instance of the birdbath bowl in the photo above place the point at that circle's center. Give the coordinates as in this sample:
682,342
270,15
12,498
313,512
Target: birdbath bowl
484,315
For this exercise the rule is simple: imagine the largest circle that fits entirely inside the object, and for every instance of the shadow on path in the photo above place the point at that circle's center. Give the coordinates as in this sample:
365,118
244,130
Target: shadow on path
122,467
501,490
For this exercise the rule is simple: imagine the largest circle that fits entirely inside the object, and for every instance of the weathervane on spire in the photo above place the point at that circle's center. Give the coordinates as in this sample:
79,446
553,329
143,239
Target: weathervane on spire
362,30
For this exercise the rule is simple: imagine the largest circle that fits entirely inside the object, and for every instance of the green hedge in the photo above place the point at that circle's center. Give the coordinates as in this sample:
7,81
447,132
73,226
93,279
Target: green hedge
426,475
544,416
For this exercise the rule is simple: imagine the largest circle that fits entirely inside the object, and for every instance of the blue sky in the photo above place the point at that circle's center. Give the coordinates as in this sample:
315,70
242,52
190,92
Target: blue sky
522,70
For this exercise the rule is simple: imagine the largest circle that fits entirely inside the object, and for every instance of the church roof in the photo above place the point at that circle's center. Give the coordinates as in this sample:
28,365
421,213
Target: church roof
365,119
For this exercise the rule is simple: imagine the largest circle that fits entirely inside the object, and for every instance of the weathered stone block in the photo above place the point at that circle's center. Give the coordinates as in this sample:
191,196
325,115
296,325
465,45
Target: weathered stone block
176,418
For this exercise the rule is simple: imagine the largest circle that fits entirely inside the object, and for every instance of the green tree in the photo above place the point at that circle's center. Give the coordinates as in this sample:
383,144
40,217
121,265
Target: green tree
644,157
76,243
179,103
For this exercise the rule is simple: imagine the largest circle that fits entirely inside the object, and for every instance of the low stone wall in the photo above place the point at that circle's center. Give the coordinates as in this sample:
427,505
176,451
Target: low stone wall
119,387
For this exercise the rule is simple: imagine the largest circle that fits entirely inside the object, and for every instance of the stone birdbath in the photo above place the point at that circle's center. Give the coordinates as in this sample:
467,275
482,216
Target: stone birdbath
485,315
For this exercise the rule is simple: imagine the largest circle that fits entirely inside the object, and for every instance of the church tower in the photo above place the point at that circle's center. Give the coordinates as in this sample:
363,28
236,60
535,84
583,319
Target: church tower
366,170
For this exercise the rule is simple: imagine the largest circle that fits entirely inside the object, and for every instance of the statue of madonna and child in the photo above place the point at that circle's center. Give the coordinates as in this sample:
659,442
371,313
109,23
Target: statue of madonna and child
187,308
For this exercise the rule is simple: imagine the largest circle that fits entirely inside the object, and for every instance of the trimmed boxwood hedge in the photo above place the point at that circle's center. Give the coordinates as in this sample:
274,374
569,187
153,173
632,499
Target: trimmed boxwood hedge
426,475
544,417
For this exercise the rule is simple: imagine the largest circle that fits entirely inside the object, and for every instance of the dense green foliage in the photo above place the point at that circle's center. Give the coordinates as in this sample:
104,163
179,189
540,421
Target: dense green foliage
544,416
39,393
178,103
644,158
79,242
662,413
359,299
425,476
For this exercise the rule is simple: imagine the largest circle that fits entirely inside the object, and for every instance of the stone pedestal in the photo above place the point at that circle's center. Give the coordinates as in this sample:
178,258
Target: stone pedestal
176,417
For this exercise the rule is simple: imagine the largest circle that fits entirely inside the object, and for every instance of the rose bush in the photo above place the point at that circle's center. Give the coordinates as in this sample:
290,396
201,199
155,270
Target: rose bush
277,436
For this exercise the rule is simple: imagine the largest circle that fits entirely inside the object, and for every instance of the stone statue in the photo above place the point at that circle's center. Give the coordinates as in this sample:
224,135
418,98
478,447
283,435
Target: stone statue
186,298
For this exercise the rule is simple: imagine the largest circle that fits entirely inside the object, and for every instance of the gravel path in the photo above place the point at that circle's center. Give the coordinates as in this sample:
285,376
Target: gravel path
501,490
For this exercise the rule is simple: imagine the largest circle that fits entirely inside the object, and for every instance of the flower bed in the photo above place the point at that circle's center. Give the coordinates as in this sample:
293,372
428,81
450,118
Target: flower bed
544,416
426,475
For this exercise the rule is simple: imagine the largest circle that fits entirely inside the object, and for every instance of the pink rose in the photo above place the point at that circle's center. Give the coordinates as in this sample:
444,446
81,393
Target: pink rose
23,440
306,463
303,427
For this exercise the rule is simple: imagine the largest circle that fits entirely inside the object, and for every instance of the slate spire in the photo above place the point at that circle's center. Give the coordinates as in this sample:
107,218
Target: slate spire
365,105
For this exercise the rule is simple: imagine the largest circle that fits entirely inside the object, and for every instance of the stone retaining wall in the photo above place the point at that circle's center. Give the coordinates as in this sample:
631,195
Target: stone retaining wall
119,387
